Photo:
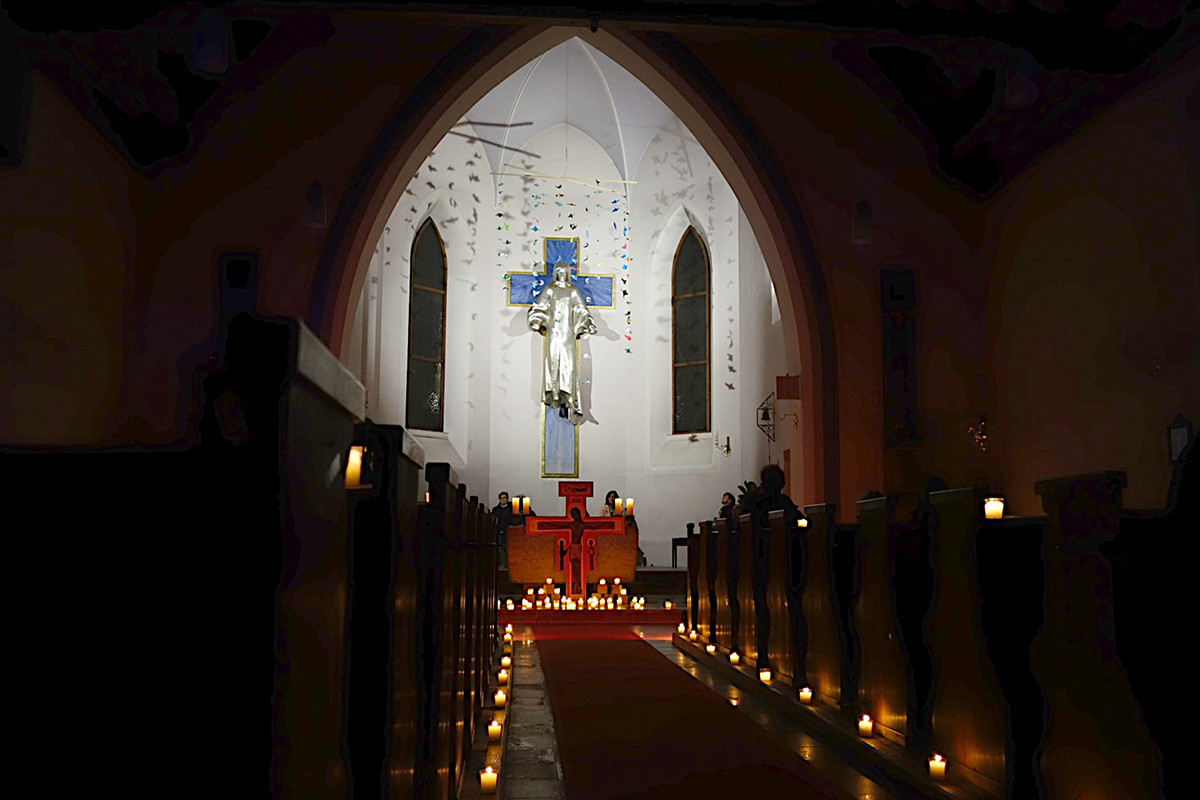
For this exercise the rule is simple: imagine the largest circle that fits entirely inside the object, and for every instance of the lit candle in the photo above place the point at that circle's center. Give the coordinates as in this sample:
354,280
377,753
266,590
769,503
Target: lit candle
669,605
556,605
682,628
525,505
629,506
427,497
865,726
692,635
937,767
354,467
734,658
620,506
802,523
509,606
616,581
501,698
733,701
541,590
508,628
505,661
487,780
764,675
624,591
502,677
805,694
993,507
710,648
508,638
516,505
557,591
494,729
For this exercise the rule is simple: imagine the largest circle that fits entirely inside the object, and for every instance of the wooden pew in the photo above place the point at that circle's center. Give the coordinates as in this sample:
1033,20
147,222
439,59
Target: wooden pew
883,683
694,579
382,704
300,406
1095,735
819,603
742,564
969,719
728,607
1011,602
847,585
439,758
776,625
706,576
795,581
188,604
1149,576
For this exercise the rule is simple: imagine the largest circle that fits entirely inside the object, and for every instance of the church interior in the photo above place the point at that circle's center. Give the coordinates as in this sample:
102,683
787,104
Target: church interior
343,339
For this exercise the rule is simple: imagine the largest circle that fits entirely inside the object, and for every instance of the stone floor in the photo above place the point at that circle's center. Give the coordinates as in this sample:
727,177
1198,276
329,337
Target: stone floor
531,762
531,766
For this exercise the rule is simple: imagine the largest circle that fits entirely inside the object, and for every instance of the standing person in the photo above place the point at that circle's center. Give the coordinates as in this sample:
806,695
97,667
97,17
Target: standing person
503,514
609,509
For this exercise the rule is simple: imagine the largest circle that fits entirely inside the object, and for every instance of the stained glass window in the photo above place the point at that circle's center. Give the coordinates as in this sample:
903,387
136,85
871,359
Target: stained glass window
426,331
690,319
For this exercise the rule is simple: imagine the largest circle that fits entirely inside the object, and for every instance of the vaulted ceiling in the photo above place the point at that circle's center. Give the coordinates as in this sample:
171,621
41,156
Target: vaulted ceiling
576,84
987,85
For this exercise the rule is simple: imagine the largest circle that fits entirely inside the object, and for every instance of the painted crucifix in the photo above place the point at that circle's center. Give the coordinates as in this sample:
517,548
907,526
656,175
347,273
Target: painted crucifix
559,301
579,549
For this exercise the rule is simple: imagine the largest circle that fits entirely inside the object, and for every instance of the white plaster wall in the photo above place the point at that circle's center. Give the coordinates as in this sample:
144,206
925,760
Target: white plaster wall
492,226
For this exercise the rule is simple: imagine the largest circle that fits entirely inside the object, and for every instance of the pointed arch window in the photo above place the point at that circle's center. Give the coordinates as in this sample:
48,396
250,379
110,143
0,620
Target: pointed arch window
690,324
426,331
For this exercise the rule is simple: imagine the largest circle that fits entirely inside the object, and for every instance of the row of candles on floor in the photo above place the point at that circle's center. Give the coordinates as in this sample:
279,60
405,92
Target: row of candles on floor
489,775
549,597
866,726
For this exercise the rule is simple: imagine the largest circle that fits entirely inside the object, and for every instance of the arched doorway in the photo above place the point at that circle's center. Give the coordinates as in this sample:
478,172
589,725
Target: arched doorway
769,204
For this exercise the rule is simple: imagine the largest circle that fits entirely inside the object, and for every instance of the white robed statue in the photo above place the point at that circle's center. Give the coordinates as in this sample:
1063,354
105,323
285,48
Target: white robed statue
560,314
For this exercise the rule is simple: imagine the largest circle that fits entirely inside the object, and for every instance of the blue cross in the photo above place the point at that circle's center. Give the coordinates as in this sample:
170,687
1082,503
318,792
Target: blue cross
524,287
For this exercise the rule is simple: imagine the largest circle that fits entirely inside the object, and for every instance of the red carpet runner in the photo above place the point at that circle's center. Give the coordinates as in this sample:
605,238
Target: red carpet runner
633,725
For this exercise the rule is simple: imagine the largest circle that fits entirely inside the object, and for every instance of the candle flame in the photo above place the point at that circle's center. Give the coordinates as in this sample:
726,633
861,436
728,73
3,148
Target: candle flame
938,757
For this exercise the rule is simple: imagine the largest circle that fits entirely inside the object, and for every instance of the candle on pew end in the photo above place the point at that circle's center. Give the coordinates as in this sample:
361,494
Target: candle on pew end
993,508
487,780
682,628
734,658
806,694
669,605
506,661
693,635
508,638
711,649
508,628
865,726
502,677
354,467
501,698
764,675
494,729
937,767
802,523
